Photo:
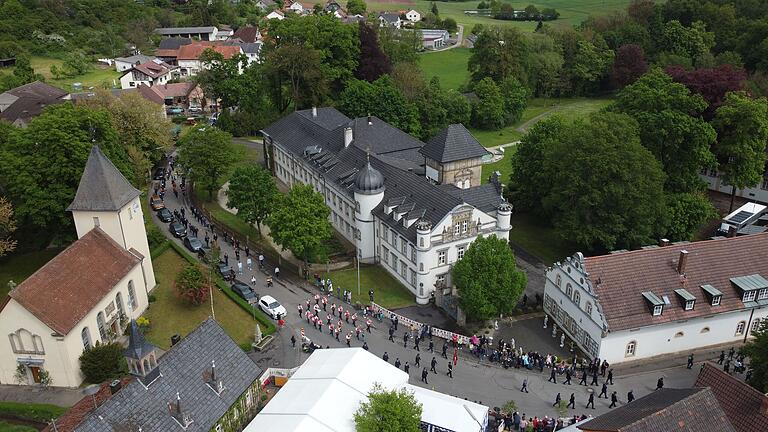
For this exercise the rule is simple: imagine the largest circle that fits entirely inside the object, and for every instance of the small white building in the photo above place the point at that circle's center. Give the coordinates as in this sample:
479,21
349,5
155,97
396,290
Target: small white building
413,16
412,207
149,74
324,393
276,14
208,33
252,51
660,300
122,64
86,294
715,182
389,19
433,39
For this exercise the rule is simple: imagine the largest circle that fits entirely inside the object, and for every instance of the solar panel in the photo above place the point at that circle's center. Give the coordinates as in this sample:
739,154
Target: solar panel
741,216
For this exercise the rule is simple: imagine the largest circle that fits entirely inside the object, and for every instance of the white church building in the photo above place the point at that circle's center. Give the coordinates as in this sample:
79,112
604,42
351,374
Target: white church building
412,207
86,294
664,299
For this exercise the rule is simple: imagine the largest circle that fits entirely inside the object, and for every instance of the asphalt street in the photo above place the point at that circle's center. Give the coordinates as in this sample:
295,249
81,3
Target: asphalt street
483,382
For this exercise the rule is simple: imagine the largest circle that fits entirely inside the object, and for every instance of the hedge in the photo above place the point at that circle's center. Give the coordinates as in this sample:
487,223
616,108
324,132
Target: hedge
253,311
159,249
37,412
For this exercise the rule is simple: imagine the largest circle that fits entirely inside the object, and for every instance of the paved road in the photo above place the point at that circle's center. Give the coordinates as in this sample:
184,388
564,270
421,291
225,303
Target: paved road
480,382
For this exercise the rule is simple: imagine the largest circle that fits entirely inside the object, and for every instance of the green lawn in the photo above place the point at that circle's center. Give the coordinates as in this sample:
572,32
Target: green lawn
450,66
38,412
504,166
7,427
388,292
169,315
18,267
538,238
102,76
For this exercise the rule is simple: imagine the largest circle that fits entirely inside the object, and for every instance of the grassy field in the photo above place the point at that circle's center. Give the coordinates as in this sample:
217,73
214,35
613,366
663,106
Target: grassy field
101,76
450,66
504,166
388,292
170,315
20,266
538,238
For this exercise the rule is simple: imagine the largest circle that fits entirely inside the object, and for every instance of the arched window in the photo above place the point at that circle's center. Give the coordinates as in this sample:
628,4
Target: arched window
577,298
558,281
120,308
588,307
16,345
755,326
705,330
38,341
568,290
630,350
27,341
102,326
86,335
132,296
679,334
740,327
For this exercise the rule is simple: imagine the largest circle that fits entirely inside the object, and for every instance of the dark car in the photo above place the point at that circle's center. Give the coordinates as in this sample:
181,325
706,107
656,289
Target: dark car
159,174
193,244
165,215
177,229
226,272
243,290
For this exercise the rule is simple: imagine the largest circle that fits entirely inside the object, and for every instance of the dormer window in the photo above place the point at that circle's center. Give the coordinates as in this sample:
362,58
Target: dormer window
656,304
686,298
689,305
762,294
657,310
748,296
716,300
752,287
713,293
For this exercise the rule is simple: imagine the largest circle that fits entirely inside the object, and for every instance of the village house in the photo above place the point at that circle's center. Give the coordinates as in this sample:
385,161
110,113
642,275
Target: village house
714,181
208,33
122,64
413,16
86,294
186,95
389,19
20,105
149,74
412,207
432,39
188,56
276,14
266,5
664,299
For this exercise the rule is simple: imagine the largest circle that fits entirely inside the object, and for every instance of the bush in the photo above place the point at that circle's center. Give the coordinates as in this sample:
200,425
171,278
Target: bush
191,285
37,412
152,298
103,362
155,237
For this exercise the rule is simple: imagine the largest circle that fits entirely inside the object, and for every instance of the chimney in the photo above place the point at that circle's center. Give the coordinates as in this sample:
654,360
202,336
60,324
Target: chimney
348,137
664,242
314,112
682,262
370,122
213,371
178,403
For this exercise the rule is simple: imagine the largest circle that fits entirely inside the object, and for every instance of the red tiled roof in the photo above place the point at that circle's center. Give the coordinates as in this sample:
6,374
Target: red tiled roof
746,408
67,288
80,410
620,279
246,34
193,51
152,69
166,53
174,89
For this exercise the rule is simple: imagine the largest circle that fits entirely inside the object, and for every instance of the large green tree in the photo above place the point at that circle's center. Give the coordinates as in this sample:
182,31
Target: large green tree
671,127
757,351
7,227
207,154
499,53
488,279
388,411
382,99
41,165
253,192
688,211
299,222
298,69
488,109
742,133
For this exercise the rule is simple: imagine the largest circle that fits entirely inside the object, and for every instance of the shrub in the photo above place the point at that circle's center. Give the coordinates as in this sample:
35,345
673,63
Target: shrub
155,237
152,298
191,285
103,362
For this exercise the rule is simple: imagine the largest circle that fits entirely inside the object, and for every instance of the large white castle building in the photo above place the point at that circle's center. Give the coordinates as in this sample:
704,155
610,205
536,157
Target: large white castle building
412,207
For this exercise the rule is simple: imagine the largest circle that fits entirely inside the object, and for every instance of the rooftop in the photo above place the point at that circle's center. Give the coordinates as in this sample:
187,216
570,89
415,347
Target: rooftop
185,30
30,100
193,51
452,144
746,408
102,186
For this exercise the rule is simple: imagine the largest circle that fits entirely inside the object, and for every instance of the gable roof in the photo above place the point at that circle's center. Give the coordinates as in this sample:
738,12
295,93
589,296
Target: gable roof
389,17
134,59
102,186
185,30
452,144
153,69
251,48
693,410
67,288
193,51
182,369
167,91
620,279
746,407
173,43
247,34
30,100
137,347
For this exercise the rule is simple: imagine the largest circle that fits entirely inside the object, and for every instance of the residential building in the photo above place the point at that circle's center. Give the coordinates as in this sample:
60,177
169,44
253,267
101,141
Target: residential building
667,409
300,8
208,33
87,293
432,39
168,49
225,32
412,207
203,383
252,51
276,14
660,300
247,34
715,182
187,95
266,5
20,105
122,64
389,19
189,61
413,16
149,74
745,406
324,393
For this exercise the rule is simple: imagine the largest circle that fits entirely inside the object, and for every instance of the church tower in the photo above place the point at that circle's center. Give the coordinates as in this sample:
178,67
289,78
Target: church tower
105,199
369,191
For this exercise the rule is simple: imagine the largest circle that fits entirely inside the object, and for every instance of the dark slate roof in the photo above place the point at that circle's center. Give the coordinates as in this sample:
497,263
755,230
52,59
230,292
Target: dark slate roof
33,98
182,369
251,48
102,186
173,43
452,144
693,410
247,34
390,17
746,407
138,347
485,197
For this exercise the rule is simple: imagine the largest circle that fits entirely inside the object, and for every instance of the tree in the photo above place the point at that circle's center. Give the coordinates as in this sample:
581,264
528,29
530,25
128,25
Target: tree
388,410
7,227
742,132
190,284
299,222
606,189
382,99
591,63
253,192
488,109
671,127
433,9
499,53
688,211
629,65
103,362
302,68
22,74
711,83
757,351
373,62
545,65
356,7
515,97
207,154
488,279
400,46
693,42
55,145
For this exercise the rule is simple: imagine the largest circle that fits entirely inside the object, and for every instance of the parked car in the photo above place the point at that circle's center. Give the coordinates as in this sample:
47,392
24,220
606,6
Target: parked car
177,229
174,110
226,272
271,307
243,290
159,174
195,109
165,215
194,244
156,203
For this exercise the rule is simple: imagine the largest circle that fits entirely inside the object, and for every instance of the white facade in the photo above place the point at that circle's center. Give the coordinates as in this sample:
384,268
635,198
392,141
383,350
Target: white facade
716,183
413,16
296,7
134,78
276,15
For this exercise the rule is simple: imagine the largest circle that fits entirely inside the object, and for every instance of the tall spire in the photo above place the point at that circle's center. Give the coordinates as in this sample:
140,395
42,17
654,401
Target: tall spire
102,186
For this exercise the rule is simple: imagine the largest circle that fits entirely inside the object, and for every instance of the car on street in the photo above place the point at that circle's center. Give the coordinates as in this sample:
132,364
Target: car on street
194,244
165,215
156,203
177,229
271,307
244,291
226,272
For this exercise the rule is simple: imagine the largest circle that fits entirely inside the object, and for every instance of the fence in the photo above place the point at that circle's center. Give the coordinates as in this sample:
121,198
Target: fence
444,334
